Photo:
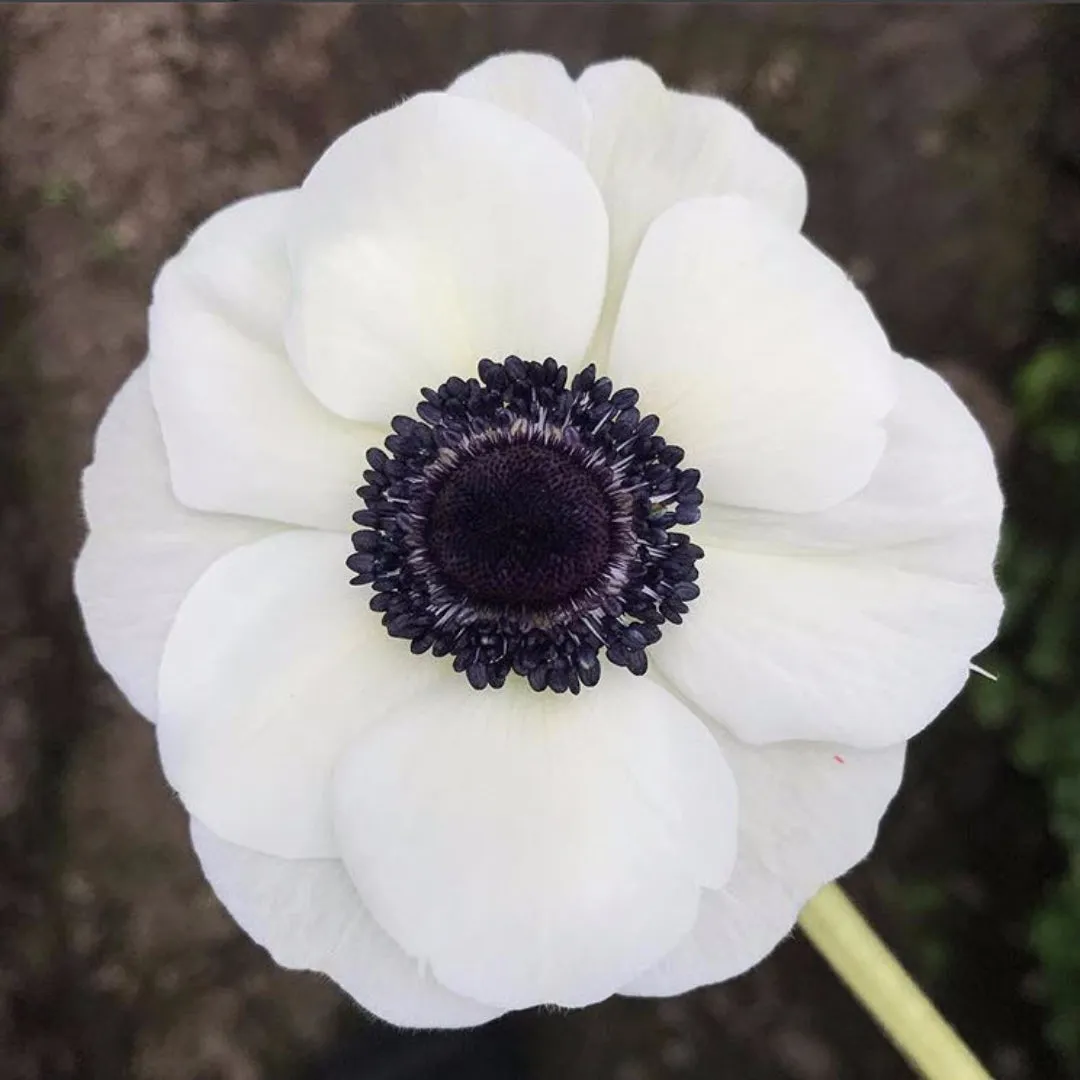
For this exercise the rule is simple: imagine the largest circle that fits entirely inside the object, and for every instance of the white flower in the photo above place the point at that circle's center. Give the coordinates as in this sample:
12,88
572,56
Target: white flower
447,853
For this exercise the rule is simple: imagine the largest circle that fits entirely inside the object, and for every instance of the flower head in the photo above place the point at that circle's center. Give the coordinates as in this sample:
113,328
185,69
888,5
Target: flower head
530,549
527,525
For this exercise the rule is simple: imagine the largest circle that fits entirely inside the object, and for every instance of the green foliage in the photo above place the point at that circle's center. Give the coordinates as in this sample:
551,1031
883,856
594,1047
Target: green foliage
1037,660
923,902
1057,943
59,192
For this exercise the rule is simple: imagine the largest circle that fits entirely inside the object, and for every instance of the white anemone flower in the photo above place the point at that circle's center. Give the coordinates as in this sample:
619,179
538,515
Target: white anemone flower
571,714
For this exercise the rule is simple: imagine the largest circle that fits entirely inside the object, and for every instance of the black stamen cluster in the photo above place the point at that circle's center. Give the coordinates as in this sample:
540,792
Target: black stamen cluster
523,525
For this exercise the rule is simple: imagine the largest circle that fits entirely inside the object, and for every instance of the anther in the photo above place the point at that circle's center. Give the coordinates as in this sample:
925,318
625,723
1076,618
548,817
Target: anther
524,526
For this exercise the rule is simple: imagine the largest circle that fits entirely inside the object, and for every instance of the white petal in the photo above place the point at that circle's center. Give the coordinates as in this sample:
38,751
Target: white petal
307,915
807,814
650,148
145,550
532,848
763,360
535,87
810,811
437,233
844,648
933,504
243,433
737,927
273,664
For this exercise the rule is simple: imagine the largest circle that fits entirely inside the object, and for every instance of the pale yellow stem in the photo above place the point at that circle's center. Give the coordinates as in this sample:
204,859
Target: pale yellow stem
844,938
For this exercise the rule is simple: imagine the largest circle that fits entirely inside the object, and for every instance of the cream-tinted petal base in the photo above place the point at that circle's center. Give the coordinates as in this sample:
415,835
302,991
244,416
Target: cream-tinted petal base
435,234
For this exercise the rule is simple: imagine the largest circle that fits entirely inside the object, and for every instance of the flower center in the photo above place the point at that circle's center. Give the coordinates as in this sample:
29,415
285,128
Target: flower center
524,526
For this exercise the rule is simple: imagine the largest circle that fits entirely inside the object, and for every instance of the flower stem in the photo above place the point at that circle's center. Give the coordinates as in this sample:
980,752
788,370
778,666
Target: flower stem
861,959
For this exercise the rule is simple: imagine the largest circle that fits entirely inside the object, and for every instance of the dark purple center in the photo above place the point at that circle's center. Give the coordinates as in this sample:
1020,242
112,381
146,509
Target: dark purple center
520,526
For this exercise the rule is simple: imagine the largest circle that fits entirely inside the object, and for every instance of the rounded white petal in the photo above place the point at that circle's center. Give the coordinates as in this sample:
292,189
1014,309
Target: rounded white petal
532,848
847,648
535,87
933,504
144,550
274,663
737,927
762,359
306,914
243,433
437,233
650,148
810,811
807,814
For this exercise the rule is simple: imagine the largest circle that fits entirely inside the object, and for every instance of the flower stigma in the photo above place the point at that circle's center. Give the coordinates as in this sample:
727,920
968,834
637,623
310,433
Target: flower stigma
525,526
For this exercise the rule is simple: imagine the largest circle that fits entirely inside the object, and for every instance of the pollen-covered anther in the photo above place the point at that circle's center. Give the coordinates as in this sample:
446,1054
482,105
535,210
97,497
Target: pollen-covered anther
526,526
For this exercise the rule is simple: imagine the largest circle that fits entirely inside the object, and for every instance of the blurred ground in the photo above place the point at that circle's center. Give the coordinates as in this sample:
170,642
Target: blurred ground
927,134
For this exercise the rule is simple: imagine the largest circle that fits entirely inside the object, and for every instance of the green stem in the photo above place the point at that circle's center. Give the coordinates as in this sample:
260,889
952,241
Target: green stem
844,938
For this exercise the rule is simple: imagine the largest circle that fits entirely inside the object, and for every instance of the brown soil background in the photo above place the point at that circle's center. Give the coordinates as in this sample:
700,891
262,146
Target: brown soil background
932,138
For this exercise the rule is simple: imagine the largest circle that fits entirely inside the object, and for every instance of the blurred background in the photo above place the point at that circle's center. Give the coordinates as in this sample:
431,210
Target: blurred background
943,150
